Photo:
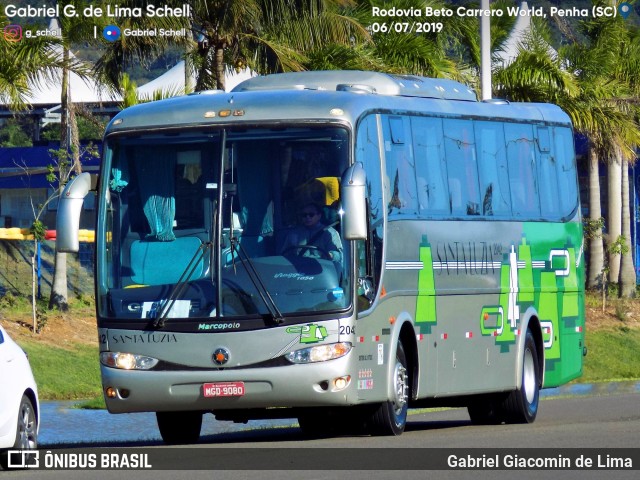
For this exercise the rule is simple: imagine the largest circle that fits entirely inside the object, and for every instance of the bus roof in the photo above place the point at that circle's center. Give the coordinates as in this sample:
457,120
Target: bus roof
361,82
327,96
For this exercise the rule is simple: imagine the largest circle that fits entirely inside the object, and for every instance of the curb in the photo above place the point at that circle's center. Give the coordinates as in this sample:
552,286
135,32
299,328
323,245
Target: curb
593,389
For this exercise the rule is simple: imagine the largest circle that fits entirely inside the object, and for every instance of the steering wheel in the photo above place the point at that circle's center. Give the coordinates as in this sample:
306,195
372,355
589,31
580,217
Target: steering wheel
323,253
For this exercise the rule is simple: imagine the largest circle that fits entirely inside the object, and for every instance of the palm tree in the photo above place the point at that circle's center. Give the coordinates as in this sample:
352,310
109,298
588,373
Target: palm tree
74,30
582,79
614,213
628,71
627,268
25,64
266,36
439,47
19,64
614,57
129,50
595,272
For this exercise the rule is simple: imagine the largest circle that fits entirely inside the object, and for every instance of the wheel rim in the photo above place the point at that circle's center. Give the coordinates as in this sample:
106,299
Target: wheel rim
529,377
27,427
399,388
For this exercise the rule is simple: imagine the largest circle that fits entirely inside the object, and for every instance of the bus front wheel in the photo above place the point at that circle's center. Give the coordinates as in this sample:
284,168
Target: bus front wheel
178,428
390,418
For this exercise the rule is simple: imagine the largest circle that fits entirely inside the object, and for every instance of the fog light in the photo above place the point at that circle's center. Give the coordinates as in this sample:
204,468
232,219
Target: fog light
341,383
111,392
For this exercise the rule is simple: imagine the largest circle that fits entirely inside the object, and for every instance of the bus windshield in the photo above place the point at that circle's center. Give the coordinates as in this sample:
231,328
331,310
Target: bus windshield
266,244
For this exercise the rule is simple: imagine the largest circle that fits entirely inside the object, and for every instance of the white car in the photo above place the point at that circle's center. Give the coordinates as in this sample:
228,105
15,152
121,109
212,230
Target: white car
19,407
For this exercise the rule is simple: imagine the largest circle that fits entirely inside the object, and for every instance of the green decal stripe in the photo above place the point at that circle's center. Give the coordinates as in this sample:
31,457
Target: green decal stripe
559,301
426,302
525,275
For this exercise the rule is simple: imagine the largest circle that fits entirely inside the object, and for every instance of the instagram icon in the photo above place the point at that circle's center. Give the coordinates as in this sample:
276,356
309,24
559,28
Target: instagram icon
12,33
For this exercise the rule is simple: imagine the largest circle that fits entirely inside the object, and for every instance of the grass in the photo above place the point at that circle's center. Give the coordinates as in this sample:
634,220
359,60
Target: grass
64,373
93,404
612,355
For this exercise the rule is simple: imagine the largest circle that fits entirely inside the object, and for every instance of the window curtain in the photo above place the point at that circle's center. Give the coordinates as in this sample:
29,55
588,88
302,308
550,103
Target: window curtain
119,173
156,176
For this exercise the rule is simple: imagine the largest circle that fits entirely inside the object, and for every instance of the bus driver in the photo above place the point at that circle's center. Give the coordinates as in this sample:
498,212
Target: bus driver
314,239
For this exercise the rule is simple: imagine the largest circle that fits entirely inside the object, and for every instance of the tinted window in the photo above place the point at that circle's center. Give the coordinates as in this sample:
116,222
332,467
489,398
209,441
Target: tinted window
494,173
566,169
462,168
368,152
431,167
521,158
401,169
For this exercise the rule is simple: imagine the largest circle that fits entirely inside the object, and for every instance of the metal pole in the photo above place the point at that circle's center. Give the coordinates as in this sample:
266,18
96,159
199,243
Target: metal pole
485,52
39,255
634,223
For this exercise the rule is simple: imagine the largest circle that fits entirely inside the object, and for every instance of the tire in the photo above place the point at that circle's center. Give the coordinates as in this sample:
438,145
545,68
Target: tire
178,428
485,412
390,418
318,425
521,406
26,430
323,423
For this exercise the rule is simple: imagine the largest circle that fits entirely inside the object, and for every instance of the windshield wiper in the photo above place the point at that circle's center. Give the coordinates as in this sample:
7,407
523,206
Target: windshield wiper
253,274
256,279
179,288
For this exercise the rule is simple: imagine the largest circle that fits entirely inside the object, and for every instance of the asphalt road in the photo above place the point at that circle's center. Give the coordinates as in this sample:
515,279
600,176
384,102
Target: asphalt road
588,425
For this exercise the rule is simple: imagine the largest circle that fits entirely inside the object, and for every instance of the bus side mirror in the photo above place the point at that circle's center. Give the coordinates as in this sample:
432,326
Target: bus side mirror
353,194
69,208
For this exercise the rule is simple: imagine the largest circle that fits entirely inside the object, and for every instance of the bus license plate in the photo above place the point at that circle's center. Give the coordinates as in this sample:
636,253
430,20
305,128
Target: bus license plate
223,389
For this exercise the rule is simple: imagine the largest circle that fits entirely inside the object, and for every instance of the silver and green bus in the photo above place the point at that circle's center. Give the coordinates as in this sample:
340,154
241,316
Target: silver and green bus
458,278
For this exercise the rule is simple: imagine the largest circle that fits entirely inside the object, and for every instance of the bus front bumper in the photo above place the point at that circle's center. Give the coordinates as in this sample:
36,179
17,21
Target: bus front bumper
307,385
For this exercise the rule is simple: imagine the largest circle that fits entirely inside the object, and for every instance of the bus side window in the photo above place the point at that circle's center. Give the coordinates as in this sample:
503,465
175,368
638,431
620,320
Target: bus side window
400,165
462,167
565,169
522,159
492,167
431,168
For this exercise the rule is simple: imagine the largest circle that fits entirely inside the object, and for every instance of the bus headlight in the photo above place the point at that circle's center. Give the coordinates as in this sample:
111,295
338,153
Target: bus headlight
127,361
319,353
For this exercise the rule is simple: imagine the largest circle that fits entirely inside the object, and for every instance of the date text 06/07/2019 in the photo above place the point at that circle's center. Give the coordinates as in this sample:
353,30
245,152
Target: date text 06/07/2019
406,27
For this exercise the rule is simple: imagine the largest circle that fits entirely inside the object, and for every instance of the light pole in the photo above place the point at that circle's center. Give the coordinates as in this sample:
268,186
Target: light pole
485,52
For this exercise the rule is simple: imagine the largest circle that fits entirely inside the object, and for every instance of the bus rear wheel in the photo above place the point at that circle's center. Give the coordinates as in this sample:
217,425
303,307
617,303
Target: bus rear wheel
390,418
178,428
521,406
